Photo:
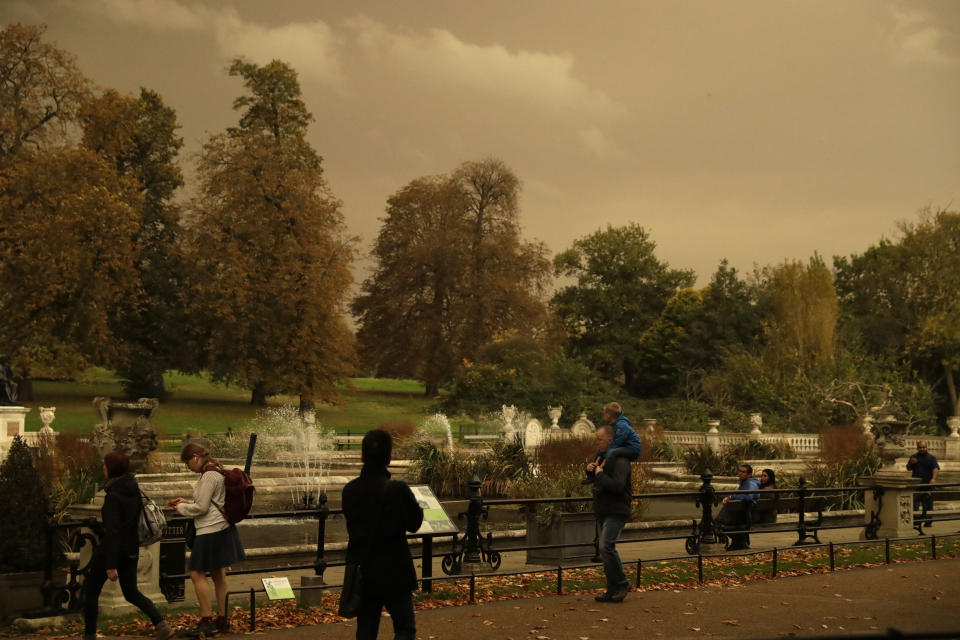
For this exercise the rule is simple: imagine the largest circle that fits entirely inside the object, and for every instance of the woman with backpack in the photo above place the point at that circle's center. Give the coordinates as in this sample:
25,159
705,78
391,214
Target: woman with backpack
216,545
117,554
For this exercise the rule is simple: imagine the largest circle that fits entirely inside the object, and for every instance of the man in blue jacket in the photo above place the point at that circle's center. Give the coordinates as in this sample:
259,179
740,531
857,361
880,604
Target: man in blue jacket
734,513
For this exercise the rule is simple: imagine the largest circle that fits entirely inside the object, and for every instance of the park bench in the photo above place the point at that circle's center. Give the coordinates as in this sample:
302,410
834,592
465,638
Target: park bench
345,442
483,438
761,515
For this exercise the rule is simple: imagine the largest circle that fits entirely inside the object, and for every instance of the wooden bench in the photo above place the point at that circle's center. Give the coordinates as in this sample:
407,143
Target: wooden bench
481,438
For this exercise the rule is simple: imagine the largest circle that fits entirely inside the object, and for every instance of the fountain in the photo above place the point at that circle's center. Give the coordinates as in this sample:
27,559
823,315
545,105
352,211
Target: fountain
438,423
300,445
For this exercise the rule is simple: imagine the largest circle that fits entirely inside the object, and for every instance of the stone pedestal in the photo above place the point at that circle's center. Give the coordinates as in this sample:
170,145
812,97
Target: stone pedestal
312,597
894,507
12,422
148,581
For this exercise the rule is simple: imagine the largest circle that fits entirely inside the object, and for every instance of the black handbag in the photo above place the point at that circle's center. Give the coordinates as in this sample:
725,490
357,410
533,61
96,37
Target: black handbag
190,534
351,595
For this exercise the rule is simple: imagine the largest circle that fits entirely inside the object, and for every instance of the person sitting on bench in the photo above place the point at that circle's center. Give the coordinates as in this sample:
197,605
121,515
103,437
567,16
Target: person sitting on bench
733,515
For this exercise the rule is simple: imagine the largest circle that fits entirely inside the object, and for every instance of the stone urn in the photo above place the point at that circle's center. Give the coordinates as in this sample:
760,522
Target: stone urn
890,434
554,413
714,426
127,427
47,414
756,422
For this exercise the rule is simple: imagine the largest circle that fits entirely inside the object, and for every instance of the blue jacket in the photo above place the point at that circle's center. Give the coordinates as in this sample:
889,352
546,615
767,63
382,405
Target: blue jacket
625,436
747,485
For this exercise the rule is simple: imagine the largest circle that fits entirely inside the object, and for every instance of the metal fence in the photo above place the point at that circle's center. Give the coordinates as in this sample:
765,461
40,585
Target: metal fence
473,547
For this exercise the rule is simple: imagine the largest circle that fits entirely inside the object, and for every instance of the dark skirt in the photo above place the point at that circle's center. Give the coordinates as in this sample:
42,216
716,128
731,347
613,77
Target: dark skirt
216,550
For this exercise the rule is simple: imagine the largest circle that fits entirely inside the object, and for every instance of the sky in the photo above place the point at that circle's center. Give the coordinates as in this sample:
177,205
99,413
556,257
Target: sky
757,131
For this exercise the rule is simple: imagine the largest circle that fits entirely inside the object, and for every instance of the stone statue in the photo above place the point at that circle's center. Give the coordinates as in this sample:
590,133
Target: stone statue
8,388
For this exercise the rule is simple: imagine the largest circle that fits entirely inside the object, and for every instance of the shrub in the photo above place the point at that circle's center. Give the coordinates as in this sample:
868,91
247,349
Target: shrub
23,504
846,458
701,458
449,473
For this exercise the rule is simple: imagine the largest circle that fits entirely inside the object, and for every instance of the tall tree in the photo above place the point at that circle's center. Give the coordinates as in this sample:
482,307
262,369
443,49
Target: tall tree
41,91
621,287
137,136
452,273
900,300
67,256
804,321
269,258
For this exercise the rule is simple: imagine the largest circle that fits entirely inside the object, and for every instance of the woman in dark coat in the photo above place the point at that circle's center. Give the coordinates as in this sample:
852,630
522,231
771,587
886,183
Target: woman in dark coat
117,554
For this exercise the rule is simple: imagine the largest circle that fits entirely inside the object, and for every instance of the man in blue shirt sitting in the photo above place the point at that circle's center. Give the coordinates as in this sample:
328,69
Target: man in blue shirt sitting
734,514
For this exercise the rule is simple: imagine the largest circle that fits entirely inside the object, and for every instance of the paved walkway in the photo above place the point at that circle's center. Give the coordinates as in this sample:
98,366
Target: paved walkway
914,597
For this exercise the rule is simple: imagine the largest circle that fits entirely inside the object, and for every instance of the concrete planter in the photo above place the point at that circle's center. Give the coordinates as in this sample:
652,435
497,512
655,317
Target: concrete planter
20,592
566,528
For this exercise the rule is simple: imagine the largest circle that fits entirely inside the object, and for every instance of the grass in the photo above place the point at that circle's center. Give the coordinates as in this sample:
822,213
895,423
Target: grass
198,405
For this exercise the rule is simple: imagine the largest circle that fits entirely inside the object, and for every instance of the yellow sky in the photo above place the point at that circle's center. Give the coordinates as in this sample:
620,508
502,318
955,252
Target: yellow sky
752,130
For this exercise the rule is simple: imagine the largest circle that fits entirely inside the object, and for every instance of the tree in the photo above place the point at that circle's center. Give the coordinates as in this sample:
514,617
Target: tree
804,320
269,258
67,260
22,545
452,274
621,288
137,136
898,299
41,91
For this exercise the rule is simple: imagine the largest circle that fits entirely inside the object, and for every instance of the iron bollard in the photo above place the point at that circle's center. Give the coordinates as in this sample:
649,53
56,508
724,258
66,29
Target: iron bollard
320,563
47,588
706,532
475,510
427,563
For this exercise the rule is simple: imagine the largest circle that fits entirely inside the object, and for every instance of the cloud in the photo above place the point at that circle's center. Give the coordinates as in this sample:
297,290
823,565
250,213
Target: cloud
311,47
601,145
922,35
438,56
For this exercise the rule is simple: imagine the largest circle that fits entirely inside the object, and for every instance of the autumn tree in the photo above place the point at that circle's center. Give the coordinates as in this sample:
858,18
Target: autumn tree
67,219
269,258
620,287
137,137
803,324
67,261
452,274
41,91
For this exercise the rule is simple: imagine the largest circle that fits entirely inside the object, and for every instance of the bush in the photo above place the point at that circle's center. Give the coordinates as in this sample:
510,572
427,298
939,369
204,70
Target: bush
23,504
449,473
846,458
70,469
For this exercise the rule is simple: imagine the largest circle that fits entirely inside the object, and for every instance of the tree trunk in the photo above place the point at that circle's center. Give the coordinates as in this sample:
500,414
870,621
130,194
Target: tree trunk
25,390
306,403
629,376
258,396
432,388
952,390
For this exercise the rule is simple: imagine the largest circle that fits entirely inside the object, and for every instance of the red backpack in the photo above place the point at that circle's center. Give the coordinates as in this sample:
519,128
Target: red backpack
239,494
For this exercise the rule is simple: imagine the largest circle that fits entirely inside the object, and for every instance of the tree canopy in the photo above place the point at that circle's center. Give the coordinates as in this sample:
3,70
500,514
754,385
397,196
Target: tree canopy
619,291
268,252
452,273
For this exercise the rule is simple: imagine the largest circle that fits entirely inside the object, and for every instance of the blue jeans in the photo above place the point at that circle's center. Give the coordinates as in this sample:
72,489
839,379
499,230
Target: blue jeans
610,528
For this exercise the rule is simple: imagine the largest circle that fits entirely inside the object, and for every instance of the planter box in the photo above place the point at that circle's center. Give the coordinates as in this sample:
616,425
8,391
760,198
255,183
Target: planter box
566,528
20,592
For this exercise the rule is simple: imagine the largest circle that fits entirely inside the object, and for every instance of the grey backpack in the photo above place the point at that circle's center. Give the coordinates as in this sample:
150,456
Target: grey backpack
151,523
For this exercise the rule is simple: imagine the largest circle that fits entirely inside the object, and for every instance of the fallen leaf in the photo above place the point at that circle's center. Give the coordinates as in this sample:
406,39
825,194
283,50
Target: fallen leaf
488,622
732,623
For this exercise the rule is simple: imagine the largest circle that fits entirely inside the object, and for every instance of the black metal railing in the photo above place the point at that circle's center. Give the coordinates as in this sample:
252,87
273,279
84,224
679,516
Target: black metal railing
472,547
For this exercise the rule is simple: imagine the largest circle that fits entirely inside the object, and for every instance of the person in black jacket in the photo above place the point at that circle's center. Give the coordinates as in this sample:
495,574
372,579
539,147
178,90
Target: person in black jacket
117,554
379,512
612,495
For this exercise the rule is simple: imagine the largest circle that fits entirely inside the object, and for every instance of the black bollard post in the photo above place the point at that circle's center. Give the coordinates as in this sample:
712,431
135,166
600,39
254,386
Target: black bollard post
320,563
253,610
475,510
47,588
706,499
427,562
559,580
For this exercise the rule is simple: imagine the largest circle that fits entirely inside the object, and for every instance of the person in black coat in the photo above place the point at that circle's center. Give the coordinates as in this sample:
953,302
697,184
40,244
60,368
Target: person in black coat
117,554
379,512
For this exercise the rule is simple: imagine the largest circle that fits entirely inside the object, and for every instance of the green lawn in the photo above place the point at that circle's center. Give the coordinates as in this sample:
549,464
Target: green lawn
198,405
